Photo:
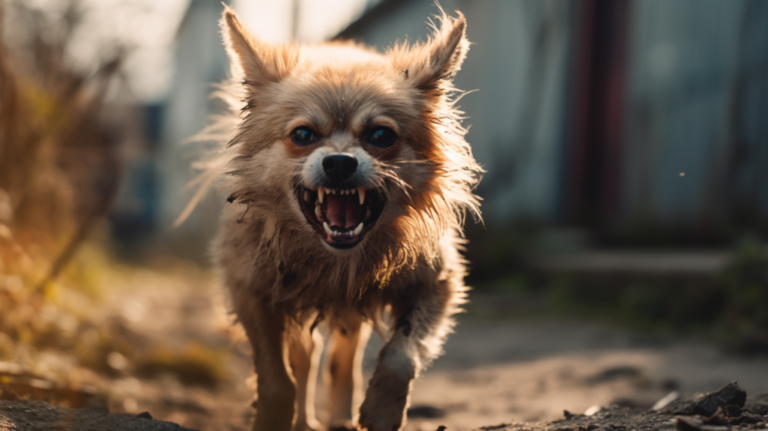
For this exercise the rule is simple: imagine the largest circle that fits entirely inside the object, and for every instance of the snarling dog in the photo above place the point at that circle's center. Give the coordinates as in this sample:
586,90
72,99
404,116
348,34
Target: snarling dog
349,179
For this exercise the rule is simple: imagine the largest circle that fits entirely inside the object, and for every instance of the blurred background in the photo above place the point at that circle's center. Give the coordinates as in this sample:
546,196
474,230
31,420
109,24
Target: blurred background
623,253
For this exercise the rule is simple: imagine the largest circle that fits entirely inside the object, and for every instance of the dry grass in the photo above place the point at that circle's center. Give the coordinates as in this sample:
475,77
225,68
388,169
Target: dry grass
59,165
59,170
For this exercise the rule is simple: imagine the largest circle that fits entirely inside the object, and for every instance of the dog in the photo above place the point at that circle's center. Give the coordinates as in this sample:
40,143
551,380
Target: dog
349,179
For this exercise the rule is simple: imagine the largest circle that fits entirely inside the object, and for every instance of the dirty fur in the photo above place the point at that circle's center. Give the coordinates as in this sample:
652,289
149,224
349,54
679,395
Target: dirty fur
407,269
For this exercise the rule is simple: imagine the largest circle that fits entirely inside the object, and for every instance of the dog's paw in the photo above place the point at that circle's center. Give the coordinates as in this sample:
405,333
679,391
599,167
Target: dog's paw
382,418
312,425
342,425
384,408
345,427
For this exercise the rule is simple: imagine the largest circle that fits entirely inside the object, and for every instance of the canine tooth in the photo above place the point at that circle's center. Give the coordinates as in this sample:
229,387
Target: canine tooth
318,212
306,196
361,193
327,228
320,192
359,229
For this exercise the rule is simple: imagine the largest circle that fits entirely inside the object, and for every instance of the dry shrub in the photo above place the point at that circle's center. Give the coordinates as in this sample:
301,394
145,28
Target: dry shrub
59,159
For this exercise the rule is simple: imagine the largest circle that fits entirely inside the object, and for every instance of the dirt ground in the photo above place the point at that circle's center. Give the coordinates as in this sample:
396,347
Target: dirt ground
493,371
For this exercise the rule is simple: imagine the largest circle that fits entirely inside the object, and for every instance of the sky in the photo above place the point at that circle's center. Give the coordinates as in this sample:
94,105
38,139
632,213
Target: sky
318,19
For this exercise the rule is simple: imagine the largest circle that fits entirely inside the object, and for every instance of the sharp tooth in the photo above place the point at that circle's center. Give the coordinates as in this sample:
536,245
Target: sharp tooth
367,213
327,228
319,213
361,193
333,191
352,191
320,192
359,229
306,196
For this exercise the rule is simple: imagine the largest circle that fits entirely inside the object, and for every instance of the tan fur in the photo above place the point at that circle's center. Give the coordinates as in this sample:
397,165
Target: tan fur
283,278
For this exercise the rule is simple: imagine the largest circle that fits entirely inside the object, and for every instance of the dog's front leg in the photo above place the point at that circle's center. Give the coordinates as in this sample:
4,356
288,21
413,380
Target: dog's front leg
421,325
387,396
266,329
345,369
305,349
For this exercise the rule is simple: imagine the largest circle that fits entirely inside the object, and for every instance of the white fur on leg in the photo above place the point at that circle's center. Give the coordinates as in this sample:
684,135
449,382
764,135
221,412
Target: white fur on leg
389,391
304,355
345,373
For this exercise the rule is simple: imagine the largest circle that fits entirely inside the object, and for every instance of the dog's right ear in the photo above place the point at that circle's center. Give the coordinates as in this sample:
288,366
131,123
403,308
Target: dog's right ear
255,61
432,65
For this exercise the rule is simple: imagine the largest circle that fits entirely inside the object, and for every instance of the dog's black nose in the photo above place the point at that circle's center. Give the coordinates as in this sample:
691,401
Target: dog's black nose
339,167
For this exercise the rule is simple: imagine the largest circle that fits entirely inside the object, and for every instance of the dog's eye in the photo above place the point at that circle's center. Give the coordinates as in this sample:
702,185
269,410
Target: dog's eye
381,136
303,136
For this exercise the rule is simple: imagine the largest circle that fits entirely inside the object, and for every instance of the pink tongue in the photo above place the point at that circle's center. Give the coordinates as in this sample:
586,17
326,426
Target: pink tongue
343,211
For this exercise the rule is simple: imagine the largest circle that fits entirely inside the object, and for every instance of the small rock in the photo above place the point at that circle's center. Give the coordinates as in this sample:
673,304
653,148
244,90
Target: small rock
494,427
592,410
707,404
757,403
696,424
660,404
718,418
746,418
428,412
144,415
732,411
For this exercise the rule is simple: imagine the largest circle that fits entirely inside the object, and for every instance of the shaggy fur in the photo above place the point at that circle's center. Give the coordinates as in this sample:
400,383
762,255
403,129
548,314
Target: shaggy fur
284,277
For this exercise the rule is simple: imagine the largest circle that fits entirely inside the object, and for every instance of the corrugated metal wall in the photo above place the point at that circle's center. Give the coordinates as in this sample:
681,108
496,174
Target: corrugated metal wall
697,103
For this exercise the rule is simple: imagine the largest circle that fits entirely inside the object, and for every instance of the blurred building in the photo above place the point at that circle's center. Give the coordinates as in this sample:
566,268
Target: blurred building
201,62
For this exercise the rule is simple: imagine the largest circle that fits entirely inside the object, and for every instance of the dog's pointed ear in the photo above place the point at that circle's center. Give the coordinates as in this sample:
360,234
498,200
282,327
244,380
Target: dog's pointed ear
434,63
256,61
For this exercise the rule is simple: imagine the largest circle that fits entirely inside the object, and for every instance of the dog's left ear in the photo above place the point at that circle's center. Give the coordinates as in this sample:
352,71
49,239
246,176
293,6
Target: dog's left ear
259,62
435,62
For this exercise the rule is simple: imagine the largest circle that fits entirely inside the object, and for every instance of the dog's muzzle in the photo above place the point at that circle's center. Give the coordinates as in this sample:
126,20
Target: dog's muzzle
340,211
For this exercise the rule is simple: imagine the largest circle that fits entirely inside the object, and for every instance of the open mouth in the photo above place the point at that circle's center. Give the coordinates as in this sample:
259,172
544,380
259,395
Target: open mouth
341,216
